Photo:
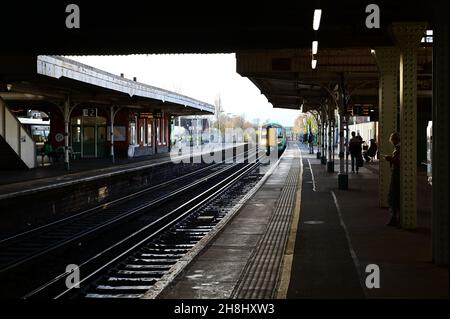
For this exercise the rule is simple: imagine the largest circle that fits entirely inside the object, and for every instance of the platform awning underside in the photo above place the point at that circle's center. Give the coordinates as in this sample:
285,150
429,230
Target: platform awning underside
287,79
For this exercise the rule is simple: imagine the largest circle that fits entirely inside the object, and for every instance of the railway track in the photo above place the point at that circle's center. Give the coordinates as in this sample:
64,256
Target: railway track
131,265
24,247
20,250
138,269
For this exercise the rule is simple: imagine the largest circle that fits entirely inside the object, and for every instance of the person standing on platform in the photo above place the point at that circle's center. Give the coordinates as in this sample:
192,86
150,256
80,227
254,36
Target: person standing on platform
355,151
305,138
48,150
394,188
311,143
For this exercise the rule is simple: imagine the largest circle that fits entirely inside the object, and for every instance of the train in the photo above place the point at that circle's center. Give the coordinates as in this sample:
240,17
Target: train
279,134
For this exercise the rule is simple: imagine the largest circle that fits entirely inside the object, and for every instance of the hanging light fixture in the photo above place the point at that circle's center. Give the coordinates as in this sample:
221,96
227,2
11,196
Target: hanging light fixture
316,20
315,45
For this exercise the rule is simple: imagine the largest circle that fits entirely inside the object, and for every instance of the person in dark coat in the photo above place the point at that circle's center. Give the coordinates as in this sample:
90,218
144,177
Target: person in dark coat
311,143
355,150
372,151
394,188
50,152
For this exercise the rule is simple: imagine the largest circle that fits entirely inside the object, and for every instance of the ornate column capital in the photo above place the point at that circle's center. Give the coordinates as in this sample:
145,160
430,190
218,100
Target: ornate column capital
387,59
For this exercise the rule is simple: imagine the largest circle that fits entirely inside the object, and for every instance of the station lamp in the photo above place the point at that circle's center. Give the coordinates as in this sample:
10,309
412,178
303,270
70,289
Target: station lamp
313,63
316,20
315,45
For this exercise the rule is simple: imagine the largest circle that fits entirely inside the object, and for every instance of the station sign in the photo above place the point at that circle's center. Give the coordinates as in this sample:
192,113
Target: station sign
91,112
147,115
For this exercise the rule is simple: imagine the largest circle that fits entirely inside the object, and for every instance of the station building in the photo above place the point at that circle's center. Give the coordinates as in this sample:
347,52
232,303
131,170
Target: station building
91,113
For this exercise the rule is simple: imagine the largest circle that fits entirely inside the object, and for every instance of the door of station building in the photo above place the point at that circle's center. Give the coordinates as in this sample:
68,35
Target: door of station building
88,141
101,140
89,136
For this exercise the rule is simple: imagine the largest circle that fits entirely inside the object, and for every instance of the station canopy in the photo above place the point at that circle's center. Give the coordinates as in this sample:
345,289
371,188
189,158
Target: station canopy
40,79
272,40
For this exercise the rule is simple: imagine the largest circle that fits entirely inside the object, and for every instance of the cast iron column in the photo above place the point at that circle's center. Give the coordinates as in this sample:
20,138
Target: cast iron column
387,59
408,37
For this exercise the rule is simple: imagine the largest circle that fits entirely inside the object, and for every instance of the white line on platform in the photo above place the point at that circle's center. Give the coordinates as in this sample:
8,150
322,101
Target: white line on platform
312,176
349,242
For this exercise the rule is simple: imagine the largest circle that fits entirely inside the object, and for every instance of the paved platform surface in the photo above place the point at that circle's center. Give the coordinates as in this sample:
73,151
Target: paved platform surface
337,235
76,166
53,176
341,232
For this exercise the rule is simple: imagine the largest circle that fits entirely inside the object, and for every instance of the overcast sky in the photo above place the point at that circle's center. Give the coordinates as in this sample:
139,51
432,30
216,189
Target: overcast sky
200,76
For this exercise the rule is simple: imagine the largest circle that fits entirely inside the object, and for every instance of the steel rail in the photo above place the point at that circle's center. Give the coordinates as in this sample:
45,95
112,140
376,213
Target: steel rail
196,201
108,223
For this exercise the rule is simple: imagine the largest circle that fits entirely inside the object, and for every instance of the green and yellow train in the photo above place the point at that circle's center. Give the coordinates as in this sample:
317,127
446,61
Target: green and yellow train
273,136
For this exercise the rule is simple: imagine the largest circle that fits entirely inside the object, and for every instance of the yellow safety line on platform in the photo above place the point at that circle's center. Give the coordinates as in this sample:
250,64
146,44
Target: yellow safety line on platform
288,257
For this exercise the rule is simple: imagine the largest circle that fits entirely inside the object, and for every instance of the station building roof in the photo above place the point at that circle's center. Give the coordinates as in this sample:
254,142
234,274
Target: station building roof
56,77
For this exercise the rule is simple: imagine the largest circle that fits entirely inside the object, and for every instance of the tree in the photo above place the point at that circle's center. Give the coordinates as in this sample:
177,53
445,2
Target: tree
218,109
311,124
299,125
305,123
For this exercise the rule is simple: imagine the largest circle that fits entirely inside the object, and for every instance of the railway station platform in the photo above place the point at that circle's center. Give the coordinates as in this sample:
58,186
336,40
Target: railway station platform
19,182
298,236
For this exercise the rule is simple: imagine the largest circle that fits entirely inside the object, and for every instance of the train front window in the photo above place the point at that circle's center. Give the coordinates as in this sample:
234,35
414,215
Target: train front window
280,132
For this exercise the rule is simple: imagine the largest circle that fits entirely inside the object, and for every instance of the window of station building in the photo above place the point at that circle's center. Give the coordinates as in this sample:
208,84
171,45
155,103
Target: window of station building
75,120
158,131
149,133
141,136
76,134
163,130
133,140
